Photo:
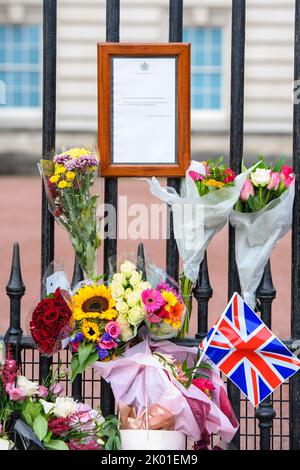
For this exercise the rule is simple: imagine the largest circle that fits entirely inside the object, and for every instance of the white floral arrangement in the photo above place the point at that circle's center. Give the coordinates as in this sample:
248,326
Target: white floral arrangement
127,287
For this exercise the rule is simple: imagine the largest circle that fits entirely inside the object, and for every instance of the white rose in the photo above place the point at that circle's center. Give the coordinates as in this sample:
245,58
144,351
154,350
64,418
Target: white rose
48,406
120,278
127,268
136,315
126,330
135,278
260,177
6,444
128,291
133,299
122,307
142,286
117,290
64,406
26,386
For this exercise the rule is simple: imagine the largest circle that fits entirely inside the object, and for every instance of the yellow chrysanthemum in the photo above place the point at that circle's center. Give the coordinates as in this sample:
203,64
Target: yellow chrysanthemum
90,330
54,179
77,152
64,184
94,301
170,299
214,183
59,169
70,175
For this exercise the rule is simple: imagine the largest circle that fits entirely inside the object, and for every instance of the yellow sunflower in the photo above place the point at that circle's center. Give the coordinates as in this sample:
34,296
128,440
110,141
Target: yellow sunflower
170,299
90,330
94,302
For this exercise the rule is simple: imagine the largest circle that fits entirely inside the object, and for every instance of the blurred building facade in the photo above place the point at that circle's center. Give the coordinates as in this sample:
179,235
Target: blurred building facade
81,24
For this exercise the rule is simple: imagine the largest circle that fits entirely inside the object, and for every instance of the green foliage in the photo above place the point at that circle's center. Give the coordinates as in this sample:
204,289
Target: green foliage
111,434
86,356
40,427
56,444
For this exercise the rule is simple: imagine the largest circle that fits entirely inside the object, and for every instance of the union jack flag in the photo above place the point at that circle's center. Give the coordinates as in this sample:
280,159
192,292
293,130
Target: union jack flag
247,352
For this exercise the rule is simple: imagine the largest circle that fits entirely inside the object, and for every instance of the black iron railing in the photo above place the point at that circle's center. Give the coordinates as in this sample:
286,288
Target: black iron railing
276,422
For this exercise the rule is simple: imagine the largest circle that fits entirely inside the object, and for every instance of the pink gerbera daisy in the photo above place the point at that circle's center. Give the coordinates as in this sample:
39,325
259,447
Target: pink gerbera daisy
152,300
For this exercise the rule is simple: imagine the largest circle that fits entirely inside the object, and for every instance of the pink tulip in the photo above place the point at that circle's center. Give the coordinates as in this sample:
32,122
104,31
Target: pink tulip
56,388
287,175
42,391
247,190
274,181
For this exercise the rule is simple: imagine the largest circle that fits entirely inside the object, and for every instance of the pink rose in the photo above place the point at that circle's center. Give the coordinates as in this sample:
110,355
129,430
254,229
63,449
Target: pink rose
274,181
42,391
247,190
113,329
287,175
14,393
205,385
110,344
56,389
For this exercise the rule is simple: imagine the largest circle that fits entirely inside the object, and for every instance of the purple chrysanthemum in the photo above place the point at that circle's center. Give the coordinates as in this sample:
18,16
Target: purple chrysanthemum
61,159
78,337
82,163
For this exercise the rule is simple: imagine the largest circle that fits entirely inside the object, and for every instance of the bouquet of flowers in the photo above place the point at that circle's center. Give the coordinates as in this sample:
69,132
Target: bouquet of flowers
156,387
38,413
127,286
165,310
209,193
97,334
51,322
68,180
262,215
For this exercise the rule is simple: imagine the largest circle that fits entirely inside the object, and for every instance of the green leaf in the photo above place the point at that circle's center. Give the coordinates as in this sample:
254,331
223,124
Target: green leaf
90,360
74,366
244,168
28,419
48,436
84,350
40,427
278,166
56,444
33,409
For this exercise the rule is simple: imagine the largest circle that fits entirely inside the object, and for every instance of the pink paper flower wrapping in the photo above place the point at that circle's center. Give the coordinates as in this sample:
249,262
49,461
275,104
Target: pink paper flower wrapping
139,380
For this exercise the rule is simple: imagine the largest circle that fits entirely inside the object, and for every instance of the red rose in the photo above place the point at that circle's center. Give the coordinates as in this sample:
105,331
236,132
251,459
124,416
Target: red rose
51,320
46,346
51,316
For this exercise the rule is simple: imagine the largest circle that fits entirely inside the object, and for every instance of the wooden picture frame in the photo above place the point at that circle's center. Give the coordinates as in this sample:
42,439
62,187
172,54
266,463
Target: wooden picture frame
153,130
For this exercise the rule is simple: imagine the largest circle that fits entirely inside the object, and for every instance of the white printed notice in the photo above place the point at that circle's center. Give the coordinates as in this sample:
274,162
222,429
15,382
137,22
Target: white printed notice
144,110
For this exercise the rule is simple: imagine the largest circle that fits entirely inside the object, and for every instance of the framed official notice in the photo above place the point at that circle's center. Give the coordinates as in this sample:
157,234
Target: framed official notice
144,109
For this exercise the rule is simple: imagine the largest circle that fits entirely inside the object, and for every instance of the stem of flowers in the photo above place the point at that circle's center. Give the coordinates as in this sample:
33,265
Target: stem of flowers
186,289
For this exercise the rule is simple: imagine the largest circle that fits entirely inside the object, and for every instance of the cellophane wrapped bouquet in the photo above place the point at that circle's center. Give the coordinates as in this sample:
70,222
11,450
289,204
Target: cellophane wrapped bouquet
163,304
68,181
52,322
157,387
106,317
208,194
37,417
262,215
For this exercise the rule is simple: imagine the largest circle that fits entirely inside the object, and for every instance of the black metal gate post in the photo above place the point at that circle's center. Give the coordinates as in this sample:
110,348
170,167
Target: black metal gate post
175,35
265,412
110,196
295,314
48,140
236,151
15,290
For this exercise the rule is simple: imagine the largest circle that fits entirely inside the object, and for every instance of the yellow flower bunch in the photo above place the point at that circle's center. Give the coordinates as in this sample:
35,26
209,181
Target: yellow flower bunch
213,183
